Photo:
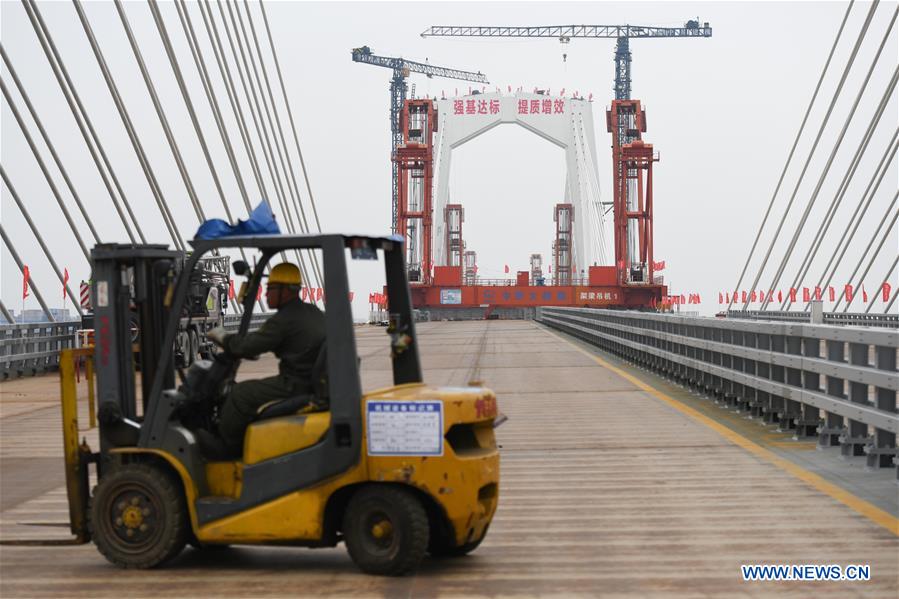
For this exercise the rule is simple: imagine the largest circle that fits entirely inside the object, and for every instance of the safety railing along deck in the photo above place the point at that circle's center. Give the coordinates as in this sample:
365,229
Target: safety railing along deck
30,349
783,372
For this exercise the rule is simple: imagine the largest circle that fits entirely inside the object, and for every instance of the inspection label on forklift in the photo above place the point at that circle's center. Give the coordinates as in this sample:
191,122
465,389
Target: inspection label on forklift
404,427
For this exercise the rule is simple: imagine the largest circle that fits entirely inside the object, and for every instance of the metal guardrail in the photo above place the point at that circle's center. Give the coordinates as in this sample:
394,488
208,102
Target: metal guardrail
31,349
843,318
784,373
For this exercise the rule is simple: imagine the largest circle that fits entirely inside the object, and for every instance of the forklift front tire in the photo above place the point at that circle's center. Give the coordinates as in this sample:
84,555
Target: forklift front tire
385,528
138,517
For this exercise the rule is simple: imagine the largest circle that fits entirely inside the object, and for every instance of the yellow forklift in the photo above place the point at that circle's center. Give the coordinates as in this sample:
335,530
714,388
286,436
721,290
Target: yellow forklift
395,473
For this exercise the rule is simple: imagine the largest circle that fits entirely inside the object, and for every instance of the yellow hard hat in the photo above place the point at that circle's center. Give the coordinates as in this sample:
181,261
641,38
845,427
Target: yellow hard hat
285,274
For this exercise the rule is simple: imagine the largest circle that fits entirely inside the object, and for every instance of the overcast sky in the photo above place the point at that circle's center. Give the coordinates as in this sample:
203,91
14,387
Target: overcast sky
722,112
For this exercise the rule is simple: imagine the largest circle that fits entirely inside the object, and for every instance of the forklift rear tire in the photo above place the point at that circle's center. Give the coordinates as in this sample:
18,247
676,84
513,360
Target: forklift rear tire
386,530
138,518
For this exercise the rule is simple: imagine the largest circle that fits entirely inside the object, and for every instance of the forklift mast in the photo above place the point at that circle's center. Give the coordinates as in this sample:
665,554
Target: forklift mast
127,277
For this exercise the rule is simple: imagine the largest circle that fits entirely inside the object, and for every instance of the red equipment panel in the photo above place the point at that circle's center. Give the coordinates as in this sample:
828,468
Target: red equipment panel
448,275
603,275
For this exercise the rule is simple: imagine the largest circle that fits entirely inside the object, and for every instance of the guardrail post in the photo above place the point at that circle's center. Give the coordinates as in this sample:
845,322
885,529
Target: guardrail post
750,367
807,425
762,404
854,440
829,433
792,409
727,361
881,451
776,403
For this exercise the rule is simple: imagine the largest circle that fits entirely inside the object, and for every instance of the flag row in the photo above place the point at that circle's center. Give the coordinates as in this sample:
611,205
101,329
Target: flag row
804,294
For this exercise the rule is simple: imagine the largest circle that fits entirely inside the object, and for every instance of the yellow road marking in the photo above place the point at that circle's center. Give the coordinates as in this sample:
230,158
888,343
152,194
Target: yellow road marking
865,508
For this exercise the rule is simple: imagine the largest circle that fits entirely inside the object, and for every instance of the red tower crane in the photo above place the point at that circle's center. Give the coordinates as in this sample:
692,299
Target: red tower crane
454,216
632,192
564,218
470,271
414,161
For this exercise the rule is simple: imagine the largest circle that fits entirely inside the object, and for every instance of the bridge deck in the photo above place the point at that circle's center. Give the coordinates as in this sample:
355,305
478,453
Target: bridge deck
606,488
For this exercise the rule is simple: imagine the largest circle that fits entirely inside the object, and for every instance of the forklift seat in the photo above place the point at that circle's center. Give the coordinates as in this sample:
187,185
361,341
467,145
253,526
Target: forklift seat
317,401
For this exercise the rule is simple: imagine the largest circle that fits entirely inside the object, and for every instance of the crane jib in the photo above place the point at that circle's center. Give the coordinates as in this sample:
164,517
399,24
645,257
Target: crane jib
570,31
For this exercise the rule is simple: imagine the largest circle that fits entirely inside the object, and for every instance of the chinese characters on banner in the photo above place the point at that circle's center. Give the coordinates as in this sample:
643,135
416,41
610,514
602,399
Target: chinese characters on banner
474,106
595,296
492,106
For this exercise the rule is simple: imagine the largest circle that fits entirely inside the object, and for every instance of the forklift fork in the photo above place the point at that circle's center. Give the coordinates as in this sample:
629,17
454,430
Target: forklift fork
78,456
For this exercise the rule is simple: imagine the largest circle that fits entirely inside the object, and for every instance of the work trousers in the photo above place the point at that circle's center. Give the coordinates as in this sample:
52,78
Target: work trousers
240,407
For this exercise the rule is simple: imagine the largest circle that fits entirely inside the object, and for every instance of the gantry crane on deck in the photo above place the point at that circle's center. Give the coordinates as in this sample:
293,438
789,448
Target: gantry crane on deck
402,68
631,158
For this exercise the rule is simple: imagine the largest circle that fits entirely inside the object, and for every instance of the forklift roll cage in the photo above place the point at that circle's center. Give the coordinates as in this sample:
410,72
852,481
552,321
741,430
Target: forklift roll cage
339,449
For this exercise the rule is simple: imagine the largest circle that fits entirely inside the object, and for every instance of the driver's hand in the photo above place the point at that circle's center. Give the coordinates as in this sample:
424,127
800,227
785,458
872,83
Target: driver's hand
217,336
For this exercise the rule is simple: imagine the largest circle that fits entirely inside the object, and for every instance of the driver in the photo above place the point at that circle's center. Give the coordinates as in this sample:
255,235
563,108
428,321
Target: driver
294,333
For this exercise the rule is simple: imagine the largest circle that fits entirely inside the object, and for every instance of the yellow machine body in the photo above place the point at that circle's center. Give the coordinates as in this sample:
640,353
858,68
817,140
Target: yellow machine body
462,483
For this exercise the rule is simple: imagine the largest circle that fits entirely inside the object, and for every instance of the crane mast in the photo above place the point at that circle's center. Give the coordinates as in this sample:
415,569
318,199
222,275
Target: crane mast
402,68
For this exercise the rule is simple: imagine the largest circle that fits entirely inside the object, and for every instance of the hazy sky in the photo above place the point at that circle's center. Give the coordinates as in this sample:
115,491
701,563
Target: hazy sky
722,112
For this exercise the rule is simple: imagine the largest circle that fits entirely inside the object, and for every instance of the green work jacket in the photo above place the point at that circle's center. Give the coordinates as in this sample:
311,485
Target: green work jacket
294,333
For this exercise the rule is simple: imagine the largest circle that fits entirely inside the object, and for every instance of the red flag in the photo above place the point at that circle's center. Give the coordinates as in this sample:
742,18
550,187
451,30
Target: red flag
743,296
727,296
885,290
817,293
864,294
848,290
319,292
752,296
304,293
720,298
683,300
230,288
780,295
806,296
831,293
259,293
506,268
792,295
65,281
25,277
352,295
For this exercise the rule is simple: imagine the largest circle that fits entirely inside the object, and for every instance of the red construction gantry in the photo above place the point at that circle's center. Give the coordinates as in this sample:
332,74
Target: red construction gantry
453,217
563,216
630,283
415,170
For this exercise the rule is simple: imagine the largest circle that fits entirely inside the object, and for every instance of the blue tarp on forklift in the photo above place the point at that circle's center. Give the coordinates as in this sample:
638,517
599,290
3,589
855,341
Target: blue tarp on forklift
261,222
